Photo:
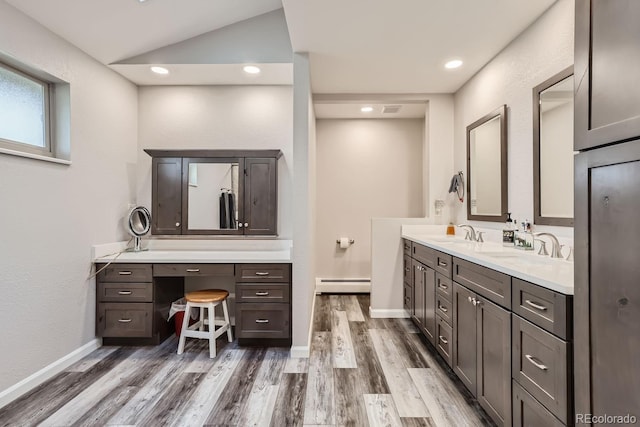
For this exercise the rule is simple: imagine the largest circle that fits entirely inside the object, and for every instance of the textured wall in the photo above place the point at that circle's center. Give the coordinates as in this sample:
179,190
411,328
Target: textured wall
542,50
51,214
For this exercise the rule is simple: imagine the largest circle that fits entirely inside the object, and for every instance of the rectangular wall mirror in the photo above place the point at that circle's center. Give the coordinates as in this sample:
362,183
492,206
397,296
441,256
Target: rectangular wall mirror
553,150
487,167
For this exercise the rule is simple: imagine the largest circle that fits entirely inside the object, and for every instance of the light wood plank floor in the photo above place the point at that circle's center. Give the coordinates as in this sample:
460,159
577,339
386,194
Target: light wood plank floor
361,372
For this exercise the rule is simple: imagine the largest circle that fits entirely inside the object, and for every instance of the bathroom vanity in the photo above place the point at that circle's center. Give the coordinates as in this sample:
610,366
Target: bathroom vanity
501,319
135,292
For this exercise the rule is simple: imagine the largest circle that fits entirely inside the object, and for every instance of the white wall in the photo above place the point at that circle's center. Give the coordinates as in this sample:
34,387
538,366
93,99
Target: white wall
542,50
365,169
219,117
51,214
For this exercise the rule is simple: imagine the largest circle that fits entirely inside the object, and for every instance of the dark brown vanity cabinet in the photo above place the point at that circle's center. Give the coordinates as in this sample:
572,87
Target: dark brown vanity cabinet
424,292
482,351
607,65
188,187
407,285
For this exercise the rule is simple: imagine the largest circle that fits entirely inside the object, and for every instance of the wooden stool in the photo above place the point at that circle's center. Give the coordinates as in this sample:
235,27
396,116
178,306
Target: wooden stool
205,299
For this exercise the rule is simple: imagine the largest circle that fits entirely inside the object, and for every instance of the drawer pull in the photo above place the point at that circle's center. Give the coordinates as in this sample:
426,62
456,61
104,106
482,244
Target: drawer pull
442,285
262,273
536,306
535,362
262,320
442,263
443,339
193,270
124,292
124,320
262,294
124,273
442,308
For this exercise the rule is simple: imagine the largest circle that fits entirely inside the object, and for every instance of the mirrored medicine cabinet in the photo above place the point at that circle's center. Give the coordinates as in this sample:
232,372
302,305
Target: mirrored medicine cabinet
214,192
553,150
487,167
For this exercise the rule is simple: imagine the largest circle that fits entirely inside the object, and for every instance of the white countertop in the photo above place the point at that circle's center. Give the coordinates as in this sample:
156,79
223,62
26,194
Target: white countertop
554,274
197,251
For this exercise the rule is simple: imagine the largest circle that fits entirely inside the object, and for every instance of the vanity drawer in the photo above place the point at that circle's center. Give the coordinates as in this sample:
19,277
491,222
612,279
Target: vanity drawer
548,309
528,412
124,320
443,264
444,286
491,284
263,273
255,320
443,308
540,363
187,270
125,273
125,292
406,244
407,269
262,292
443,339
408,297
424,254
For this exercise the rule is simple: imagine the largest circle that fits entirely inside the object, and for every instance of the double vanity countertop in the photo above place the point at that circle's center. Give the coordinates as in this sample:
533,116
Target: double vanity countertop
553,274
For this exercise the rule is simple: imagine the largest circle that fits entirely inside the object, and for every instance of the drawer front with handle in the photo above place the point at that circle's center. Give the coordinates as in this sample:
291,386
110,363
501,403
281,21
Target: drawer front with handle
444,286
424,254
187,270
125,292
125,273
543,307
443,308
124,320
443,264
262,320
540,363
443,339
408,298
263,273
406,265
406,244
262,292
491,284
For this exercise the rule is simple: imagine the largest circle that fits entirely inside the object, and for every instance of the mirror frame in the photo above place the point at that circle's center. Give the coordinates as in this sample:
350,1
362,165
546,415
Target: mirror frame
504,201
538,219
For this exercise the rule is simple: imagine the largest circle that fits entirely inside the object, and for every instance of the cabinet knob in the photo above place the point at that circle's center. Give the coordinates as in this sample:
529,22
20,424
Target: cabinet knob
246,224
239,225
177,224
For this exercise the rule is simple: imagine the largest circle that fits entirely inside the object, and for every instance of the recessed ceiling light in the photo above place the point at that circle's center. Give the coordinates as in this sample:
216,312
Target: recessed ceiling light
159,70
251,69
453,64
366,109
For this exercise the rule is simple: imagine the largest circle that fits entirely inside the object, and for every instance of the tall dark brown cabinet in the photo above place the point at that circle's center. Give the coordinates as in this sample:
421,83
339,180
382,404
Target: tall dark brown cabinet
607,203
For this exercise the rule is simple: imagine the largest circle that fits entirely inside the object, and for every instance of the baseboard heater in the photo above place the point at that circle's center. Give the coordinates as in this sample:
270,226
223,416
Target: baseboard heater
343,286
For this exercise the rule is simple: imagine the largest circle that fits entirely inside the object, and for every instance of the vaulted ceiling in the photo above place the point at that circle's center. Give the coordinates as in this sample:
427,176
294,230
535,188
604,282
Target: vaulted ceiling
355,46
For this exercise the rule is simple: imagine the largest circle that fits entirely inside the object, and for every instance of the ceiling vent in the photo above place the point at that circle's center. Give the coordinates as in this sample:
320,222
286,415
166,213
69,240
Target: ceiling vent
391,109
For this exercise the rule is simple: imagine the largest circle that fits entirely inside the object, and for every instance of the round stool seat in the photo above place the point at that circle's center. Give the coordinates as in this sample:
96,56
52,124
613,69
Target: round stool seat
207,295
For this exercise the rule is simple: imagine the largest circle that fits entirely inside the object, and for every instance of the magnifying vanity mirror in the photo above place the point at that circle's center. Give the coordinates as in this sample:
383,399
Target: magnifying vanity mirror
138,224
487,167
553,150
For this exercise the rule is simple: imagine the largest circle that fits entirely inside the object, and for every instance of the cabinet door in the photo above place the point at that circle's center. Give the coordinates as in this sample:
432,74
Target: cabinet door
418,294
464,336
430,304
607,65
260,196
166,195
494,361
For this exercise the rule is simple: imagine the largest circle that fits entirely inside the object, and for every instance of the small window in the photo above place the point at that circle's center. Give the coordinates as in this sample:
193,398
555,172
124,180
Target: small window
24,112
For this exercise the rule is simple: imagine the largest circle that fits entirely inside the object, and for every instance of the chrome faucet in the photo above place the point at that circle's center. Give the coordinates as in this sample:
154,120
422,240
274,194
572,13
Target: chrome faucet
471,233
556,247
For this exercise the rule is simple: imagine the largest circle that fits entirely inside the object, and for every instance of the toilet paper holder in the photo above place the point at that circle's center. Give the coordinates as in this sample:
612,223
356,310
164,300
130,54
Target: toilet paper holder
351,241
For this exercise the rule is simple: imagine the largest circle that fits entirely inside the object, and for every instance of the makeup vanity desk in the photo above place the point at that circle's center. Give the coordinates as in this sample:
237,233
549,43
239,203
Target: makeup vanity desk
134,293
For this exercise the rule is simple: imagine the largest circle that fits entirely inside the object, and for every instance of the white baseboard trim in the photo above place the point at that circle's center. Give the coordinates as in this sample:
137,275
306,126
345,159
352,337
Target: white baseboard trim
344,286
380,313
12,393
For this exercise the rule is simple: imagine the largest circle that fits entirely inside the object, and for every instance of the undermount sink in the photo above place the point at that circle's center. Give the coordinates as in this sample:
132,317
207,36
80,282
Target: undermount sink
517,258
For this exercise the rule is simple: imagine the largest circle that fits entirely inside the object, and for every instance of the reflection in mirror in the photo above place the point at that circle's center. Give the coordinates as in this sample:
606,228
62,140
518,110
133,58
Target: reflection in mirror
553,150
213,196
487,167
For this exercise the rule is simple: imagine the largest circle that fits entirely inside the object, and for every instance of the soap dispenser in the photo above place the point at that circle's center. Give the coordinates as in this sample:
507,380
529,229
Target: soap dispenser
508,232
